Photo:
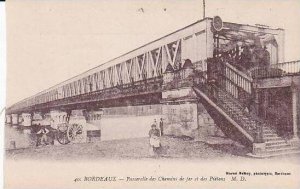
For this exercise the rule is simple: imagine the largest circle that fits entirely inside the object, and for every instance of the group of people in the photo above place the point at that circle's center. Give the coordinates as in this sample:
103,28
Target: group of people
250,56
254,56
154,137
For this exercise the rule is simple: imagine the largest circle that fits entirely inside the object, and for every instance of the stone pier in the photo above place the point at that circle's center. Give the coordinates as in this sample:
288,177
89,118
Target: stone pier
94,117
20,119
38,118
15,119
93,126
180,113
180,118
8,119
27,122
57,118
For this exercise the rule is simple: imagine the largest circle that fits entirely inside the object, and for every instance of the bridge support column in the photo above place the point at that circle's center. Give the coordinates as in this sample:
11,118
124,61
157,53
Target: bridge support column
27,121
20,119
295,140
181,116
38,118
15,119
93,126
58,117
94,117
8,119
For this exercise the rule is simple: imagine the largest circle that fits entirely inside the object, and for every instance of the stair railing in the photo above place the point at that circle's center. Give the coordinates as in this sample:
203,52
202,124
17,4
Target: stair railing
230,79
223,79
275,70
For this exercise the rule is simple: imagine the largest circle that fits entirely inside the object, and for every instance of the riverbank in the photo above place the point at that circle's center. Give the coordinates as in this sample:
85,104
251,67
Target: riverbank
136,148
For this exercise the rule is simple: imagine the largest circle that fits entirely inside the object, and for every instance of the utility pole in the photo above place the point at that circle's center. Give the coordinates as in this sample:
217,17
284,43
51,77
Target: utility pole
203,9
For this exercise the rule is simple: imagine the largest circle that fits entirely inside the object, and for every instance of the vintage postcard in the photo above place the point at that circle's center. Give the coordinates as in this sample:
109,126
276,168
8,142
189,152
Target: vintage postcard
152,94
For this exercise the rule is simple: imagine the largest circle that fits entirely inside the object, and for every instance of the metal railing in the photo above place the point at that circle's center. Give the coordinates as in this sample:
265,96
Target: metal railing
288,67
234,82
233,108
135,88
275,70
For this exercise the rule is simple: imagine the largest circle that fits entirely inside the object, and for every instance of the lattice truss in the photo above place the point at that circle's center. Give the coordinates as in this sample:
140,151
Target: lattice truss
145,66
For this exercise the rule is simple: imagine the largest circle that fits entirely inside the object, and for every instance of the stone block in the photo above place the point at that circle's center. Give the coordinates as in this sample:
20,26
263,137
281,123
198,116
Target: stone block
180,119
15,119
294,142
259,148
27,119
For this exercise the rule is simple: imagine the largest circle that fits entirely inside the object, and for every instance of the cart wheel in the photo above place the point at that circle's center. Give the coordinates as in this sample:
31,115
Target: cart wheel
62,137
75,133
62,127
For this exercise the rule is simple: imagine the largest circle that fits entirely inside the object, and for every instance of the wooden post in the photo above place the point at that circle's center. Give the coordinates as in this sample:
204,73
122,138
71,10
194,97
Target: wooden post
203,9
256,101
265,103
294,110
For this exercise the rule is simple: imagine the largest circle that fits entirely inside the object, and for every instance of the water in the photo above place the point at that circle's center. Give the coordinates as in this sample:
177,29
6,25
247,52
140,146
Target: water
112,128
16,134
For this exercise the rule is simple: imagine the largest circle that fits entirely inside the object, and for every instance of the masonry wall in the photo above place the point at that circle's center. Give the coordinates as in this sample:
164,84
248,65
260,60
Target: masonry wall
128,122
142,110
180,119
189,119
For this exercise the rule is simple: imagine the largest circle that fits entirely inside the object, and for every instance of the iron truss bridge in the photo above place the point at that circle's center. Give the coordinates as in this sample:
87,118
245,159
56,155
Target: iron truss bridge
142,92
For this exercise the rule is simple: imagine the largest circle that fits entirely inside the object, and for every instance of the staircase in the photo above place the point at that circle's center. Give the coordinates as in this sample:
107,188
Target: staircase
223,105
276,145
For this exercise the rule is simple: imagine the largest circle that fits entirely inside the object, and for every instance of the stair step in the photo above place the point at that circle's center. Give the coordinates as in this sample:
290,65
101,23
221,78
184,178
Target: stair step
277,146
280,149
272,138
267,139
270,135
273,154
267,129
280,153
268,143
269,132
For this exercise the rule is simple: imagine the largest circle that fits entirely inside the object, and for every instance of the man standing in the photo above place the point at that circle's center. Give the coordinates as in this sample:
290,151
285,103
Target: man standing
161,127
266,57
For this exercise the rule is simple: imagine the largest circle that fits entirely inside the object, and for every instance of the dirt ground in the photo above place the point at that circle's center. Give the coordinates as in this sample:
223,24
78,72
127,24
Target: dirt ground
129,148
137,148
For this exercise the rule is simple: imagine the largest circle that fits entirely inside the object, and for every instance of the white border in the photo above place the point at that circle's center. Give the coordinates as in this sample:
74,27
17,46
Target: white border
2,84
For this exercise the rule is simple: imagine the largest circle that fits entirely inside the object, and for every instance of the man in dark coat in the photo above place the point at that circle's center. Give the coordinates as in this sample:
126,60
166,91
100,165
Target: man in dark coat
161,127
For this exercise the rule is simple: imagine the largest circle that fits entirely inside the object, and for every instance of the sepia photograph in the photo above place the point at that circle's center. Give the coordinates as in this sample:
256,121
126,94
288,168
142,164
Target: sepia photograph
152,94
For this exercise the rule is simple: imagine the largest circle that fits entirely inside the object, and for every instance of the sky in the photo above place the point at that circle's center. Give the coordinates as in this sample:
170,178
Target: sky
51,41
